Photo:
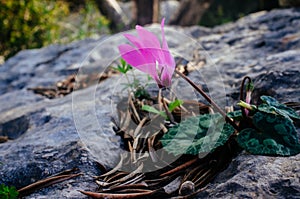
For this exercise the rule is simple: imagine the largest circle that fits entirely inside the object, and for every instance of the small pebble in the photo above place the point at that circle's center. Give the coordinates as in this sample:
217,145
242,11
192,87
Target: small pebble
186,188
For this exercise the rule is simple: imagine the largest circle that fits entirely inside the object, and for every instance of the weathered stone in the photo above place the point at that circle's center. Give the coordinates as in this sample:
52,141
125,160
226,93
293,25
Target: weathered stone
44,139
251,176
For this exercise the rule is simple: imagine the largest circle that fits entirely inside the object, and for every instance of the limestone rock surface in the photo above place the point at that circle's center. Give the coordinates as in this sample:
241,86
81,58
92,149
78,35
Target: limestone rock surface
44,137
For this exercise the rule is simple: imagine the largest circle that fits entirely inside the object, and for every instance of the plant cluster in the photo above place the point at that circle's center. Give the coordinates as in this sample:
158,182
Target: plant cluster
201,139
26,24
7,192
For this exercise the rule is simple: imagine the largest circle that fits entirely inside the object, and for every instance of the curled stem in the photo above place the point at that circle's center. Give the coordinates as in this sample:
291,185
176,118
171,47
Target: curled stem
249,88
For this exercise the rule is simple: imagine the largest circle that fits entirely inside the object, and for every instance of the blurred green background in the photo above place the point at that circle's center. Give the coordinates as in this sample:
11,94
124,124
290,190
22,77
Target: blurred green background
27,24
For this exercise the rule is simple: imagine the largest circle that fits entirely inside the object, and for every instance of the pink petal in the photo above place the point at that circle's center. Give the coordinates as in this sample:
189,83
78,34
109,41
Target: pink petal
168,58
153,55
131,55
164,42
146,52
148,39
134,40
166,76
135,58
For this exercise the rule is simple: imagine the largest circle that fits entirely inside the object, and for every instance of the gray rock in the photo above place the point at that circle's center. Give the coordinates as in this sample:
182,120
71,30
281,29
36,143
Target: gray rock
251,176
49,136
168,9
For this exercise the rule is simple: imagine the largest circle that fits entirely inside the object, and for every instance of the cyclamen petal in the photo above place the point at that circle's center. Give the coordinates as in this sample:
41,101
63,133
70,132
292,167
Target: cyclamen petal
166,76
131,55
164,42
148,39
138,60
134,40
149,56
168,57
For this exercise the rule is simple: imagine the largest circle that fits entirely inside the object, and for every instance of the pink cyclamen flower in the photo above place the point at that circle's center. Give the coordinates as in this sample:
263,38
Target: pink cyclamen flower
148,55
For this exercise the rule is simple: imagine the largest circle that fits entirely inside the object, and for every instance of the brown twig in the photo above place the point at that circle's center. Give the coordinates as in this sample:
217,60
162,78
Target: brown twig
139,127
44,183
128,186
183,166
118,175
116,168
117,195
208,99
130,175
169,114
136,115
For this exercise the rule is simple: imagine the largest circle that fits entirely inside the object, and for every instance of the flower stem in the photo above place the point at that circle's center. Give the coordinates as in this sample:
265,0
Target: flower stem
127,79
169,114
208,99
249,88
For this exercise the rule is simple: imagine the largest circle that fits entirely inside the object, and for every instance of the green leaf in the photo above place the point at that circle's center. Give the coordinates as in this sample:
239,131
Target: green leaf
275,135
115,68
8,192
149,78
271,105
123,68
199,134
127,68
236,115
141,93
151,109
123,63
175,104
118,68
